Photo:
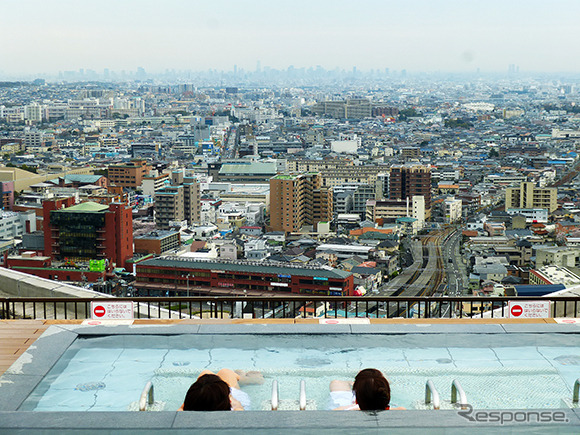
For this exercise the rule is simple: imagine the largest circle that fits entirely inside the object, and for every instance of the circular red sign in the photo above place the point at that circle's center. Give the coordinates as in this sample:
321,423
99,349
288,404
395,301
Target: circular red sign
517,310
99,311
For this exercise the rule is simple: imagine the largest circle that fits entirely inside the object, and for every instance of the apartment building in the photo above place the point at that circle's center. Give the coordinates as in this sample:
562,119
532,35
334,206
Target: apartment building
452,210
389,210
130,174
408,181
297,200
528,196
350,109
178,201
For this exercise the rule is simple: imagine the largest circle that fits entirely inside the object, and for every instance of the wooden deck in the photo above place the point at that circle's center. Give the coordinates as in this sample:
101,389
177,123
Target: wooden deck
15,337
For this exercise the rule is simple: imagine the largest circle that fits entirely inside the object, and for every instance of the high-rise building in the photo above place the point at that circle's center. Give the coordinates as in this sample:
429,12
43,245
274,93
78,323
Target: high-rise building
298,200
178,201
408,181
528,196
169,206
88,231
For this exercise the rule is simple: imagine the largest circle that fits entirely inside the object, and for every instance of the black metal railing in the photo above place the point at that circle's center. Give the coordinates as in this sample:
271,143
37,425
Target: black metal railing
224,307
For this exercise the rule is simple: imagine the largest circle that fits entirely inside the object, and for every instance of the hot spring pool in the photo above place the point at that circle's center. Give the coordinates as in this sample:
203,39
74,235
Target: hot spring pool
507,371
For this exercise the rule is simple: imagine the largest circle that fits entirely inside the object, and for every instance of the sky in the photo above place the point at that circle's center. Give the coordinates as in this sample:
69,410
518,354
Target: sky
48,36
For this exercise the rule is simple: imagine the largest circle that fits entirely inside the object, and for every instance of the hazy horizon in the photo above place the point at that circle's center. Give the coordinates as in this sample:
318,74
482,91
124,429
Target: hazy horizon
49,36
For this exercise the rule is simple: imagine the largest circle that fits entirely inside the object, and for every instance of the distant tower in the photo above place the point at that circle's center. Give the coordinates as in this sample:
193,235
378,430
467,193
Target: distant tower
258,66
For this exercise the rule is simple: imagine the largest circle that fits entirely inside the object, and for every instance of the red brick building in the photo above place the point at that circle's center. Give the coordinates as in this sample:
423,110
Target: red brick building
88,231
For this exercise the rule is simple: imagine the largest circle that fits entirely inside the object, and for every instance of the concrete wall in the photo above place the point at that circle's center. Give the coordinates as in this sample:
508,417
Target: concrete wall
18,284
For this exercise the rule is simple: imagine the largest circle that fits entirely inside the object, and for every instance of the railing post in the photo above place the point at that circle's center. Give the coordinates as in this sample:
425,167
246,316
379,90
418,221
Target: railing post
576,392
302,399
431,393
146,397
455,390
275,395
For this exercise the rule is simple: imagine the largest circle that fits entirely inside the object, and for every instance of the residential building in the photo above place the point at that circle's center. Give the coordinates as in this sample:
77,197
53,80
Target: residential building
169,206
157,242
178,202
530,215
564,256
452,210
298,200
154,182
549,275
7,194
408,181
15,224
352,198
350,109
130,174
390,210
528,196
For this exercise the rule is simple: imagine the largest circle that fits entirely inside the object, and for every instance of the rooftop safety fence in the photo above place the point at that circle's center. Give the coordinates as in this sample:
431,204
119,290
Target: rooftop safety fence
291,307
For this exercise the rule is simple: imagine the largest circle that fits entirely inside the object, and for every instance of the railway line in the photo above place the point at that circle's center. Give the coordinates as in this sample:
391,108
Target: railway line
423,278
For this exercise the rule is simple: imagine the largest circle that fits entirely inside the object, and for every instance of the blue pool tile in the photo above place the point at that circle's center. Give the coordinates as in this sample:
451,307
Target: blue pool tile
477,363
102,356
569,375
222,355
561,355
142,355
62,400
370,354
119,399
431,364
528,364
518,353
469,354
421,354
185,360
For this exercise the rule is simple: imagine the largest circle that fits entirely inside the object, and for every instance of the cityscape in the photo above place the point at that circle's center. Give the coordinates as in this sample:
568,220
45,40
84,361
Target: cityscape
307,194
111,185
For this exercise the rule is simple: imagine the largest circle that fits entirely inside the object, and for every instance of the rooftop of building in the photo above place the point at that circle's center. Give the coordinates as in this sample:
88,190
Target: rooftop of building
268,267
156,235
85,207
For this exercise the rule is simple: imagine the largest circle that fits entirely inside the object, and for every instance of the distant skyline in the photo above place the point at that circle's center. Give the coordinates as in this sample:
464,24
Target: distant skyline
48,36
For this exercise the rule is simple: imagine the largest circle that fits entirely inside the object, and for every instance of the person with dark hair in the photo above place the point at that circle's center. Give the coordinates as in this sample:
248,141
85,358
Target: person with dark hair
208,393
369,392
220,391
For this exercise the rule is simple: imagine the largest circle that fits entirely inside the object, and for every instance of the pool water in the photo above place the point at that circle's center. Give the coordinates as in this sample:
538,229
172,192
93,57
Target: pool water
109,373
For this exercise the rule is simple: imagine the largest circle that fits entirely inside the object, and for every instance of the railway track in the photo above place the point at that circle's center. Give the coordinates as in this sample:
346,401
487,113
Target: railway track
424,277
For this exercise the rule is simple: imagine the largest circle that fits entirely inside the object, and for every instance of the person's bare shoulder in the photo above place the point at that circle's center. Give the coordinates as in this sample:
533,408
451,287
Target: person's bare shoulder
347,408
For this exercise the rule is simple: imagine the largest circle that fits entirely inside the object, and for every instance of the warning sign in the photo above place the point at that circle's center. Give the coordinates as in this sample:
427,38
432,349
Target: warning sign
353,321
108,310
529,309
